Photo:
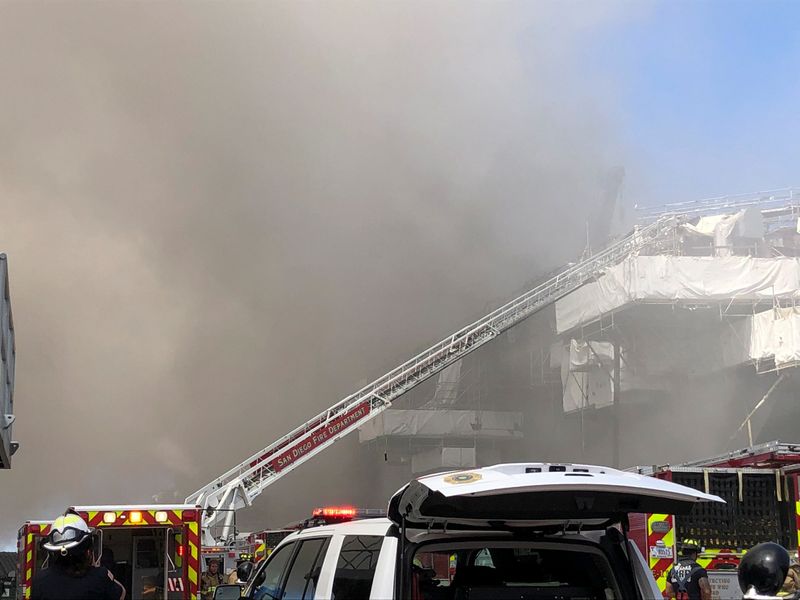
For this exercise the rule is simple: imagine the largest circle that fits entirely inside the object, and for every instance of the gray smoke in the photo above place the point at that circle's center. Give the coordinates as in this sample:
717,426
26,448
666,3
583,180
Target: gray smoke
223,217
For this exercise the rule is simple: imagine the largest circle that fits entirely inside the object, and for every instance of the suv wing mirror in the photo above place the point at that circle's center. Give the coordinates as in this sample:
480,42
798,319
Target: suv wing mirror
228,592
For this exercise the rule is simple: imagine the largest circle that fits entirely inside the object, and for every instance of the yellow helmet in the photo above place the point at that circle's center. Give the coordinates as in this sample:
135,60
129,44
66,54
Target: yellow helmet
689,545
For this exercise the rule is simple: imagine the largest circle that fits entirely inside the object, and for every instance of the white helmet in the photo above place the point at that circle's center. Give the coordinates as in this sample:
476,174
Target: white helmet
67,533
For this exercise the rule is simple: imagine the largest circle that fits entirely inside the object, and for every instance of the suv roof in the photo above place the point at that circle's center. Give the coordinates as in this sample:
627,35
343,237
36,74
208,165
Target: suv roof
376,526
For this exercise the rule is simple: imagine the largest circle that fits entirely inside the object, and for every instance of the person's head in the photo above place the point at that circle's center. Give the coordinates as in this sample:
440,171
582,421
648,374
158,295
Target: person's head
70,542
689,549
213,566
244,570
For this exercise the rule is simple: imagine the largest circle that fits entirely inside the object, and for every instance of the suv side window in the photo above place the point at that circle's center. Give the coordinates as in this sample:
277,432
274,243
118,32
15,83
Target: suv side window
304,572
355,568
267,584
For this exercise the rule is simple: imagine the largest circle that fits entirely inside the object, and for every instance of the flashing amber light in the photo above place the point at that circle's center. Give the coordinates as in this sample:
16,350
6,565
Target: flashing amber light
335,512
135,516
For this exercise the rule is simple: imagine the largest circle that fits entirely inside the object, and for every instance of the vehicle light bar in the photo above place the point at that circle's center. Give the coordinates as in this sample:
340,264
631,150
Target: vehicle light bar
336,512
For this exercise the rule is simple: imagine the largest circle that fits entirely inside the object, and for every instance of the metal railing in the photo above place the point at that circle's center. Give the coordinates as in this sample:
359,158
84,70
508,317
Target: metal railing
240,485
772,203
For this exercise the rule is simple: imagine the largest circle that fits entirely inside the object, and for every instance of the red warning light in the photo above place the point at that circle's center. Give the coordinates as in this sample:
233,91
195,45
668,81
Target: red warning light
180,550
337,513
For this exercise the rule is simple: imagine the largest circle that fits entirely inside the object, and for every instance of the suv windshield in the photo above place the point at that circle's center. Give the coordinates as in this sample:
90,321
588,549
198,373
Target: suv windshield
506,570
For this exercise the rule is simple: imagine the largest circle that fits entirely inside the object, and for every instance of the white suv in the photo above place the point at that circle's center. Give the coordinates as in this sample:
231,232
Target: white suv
513,531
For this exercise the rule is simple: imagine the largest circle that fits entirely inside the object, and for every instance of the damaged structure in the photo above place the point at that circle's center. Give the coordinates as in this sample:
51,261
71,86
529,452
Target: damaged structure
685,346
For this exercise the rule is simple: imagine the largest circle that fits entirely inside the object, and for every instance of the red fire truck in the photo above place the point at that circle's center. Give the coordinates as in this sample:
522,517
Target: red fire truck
153,550
29,555
760,487
263,542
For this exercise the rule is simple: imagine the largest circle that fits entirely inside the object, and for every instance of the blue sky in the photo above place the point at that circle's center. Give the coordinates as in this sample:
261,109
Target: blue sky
706,95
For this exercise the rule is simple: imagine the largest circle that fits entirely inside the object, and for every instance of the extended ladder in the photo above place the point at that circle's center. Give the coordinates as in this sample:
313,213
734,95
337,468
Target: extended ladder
239,486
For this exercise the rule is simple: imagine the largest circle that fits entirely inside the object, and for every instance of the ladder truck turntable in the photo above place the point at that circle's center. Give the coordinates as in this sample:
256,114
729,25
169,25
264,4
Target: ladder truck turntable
241,485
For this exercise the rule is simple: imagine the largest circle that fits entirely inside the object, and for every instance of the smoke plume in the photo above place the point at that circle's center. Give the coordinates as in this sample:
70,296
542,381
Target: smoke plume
222,217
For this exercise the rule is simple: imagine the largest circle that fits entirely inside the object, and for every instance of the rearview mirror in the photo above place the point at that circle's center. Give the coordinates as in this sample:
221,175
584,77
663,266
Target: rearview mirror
227,592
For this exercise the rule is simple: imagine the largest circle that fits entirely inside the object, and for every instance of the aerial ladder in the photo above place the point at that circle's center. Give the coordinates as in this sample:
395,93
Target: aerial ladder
241,485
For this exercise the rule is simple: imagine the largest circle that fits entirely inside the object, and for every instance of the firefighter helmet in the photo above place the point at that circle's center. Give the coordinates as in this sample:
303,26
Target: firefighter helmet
67,534
764,567
244,570
689,546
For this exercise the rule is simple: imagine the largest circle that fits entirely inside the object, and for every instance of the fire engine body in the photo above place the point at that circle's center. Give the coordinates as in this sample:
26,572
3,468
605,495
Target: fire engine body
29,555
152,550
761,488
262,543
228,555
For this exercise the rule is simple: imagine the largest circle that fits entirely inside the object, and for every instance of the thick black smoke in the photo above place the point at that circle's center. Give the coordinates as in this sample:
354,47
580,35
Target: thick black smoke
223,217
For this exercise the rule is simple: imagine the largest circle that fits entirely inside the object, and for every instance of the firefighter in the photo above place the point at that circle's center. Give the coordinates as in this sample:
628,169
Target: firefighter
211,579
687,580
235,577
763,570
73,574
243,572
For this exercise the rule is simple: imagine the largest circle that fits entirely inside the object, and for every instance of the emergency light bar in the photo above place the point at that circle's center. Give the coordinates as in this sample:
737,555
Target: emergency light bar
335,512
340,514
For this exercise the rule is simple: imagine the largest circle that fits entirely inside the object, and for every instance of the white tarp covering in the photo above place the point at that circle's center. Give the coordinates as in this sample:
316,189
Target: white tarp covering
585,375
586,356
679,278
718,227
776,334
747,223
443,423
587,389
443,458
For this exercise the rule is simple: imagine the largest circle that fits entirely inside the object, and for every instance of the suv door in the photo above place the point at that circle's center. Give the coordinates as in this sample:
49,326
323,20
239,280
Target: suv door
304,572
357,567
268,580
